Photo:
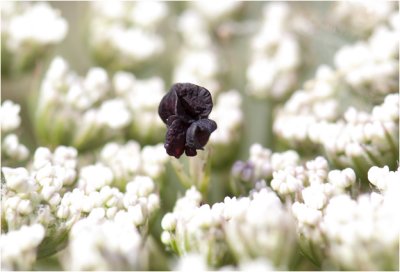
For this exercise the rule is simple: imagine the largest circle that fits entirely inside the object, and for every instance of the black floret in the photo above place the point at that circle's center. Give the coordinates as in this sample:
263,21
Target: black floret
185,109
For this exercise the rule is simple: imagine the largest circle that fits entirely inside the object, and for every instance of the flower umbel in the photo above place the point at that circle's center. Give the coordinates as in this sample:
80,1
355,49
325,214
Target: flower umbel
185,109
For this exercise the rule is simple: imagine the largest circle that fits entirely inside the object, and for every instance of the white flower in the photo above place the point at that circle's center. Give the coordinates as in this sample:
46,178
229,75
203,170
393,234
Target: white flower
192,262
228,115
362,16
94,177
154,159
382,178
367,230
168,222
94,243
18,179
124,161
149,13
273,230
10,119
193,29
198,66
275,56
39,23
14,149
18,248
114,114
342,178
135,43
213,11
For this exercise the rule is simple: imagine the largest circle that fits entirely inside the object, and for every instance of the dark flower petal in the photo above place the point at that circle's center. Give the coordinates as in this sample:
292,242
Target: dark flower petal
199,132
176,138
193,100
167,106
191,152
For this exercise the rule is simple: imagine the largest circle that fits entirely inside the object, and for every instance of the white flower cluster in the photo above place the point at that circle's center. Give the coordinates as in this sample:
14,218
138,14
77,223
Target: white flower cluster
262,163
227,113
314,196
361,17
143,97
196,262
336,226
67,110
100,244
26,26
275,56
123,34
371,67
197,60
215,11
18,247
34,196
229,227
93,196
10,121
363,233
384,179
305,107
253,231
362,139
127,161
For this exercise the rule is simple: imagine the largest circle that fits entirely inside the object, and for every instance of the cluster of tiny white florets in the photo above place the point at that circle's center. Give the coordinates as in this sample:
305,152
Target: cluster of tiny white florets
262,163
86,112
362,139
275,56
25,26
214,12
313,198
230,225
125,33
197,60
143,97
127,161
18,247
197,262
11,147
33,196
228,114
315,102
96,243
363,233
250,217
94,195
66,110
371,67
361,17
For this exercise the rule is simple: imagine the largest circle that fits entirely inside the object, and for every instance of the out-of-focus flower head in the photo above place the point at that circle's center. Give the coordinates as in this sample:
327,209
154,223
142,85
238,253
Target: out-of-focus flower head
228,114
142,97
28,31
78,111
18,247
123,34
371,221
12,150
362,17
275,57
362,139
101,244
371,67
214,231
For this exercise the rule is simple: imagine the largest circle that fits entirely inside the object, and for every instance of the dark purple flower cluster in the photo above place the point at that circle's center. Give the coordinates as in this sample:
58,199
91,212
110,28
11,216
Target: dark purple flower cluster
185,109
